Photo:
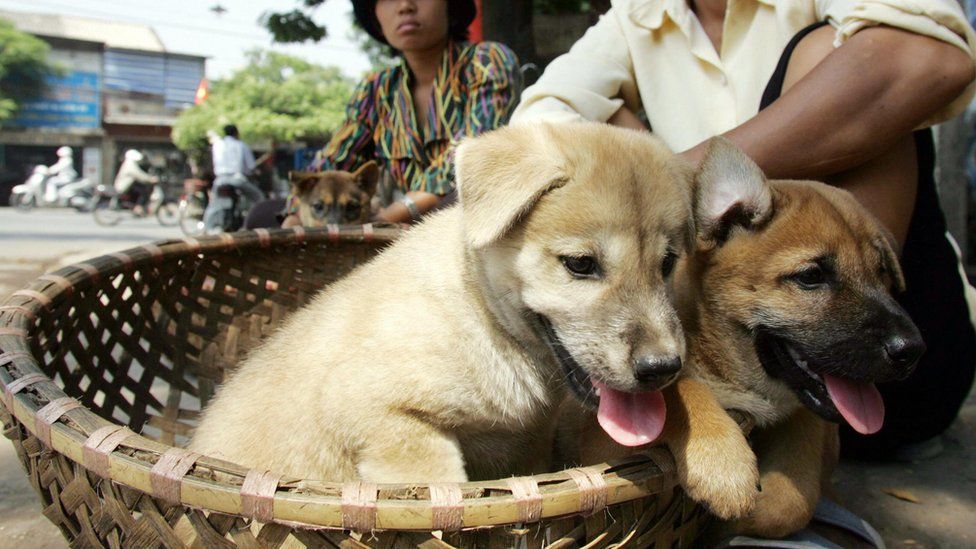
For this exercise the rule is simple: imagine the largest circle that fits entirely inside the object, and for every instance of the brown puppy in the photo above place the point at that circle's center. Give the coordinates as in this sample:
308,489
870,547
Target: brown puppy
335,197
788,316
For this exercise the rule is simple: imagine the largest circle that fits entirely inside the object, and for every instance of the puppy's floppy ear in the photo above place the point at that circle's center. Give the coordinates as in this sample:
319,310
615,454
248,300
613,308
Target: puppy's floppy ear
366,177
730,191
884,242
500,176
303,182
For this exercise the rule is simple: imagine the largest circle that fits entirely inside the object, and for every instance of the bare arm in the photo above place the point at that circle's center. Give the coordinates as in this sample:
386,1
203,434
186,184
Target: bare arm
863,96
397,212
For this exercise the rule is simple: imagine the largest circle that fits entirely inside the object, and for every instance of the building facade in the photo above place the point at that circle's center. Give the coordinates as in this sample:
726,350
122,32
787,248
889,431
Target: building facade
119,88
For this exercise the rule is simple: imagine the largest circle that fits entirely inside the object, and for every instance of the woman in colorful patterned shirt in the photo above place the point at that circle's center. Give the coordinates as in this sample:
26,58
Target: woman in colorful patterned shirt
409,117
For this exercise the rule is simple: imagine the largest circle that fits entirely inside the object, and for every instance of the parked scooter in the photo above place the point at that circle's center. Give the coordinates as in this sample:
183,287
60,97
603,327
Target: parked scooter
42,190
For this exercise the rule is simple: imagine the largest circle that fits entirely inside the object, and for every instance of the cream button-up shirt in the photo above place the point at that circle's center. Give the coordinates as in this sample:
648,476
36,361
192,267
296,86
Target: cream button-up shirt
654,55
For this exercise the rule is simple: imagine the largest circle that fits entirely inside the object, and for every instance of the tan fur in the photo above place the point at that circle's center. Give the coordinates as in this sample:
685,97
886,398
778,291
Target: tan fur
718,290
427,364
336,197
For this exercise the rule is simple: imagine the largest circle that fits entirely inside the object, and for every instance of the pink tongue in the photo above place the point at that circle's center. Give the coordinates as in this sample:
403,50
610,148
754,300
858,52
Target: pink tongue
631,419
859,402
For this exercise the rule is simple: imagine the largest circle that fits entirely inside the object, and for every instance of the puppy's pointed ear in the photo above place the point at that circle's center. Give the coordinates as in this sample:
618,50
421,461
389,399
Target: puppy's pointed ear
303,182
500,177
366,177
730,191
884,242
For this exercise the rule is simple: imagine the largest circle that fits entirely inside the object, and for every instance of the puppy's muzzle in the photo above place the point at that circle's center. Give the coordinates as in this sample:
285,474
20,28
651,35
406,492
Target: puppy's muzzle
902,352
652,369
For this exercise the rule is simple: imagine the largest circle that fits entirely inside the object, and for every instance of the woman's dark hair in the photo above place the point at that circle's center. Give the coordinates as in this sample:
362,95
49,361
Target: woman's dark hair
460,14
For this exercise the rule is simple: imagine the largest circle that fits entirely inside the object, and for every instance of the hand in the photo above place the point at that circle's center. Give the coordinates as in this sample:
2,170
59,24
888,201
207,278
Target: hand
291,220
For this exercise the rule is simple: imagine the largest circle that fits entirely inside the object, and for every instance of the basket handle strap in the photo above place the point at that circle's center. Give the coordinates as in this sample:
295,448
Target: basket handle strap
17,386
359,506
528,499
592,489
264,236
100,444
49,413
257,495
446,506
166,476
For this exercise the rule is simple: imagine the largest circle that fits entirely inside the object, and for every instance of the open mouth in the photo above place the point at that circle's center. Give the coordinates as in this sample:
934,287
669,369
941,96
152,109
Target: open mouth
631,419
833,398
576,377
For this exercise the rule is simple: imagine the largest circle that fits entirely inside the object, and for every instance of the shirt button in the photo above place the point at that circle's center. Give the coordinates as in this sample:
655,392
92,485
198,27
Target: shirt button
723,80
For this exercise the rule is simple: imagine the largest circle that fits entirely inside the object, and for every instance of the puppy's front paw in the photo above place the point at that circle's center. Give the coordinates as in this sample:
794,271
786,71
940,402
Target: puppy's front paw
783,507
722,474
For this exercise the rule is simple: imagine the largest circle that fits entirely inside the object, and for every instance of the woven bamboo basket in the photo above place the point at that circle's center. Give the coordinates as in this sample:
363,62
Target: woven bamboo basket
106,364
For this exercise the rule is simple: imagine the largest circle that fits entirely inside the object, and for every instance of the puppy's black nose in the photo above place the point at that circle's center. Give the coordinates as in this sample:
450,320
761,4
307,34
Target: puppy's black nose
902,351
650,368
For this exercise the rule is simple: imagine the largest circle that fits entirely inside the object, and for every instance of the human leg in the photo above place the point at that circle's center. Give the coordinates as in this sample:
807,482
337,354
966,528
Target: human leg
250,190
212,213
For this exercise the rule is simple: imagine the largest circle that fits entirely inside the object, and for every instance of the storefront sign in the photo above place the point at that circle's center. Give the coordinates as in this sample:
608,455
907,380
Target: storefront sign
69,101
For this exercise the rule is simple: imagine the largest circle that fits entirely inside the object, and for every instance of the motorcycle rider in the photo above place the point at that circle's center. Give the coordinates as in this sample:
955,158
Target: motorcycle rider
233,161
134,180
60,173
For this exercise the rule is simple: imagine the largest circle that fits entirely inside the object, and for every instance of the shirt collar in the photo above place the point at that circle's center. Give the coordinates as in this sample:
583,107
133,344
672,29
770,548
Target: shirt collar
445,90
650,13
407,138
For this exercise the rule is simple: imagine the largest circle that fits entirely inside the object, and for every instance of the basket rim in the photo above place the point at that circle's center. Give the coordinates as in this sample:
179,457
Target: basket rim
97,443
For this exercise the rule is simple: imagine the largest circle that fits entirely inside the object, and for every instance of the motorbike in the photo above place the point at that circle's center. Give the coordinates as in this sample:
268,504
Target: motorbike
42,190
110,206
194,203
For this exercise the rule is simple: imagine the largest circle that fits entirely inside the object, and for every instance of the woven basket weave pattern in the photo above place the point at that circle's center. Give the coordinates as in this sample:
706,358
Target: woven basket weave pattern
106,365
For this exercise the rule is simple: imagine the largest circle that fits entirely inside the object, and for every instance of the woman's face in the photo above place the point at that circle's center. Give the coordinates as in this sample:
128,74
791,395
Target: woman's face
413,24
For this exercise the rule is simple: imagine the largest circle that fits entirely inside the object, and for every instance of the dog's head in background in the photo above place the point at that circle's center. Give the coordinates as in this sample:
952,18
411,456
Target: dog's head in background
335,197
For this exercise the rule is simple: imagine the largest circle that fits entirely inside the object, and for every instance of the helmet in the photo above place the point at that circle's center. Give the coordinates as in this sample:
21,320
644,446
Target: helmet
133,155
64,151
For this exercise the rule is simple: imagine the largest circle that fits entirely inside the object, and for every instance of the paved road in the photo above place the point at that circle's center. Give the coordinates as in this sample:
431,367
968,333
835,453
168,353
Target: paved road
41,240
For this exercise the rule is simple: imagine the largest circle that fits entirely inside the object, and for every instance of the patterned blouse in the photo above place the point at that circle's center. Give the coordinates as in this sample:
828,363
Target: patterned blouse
475,90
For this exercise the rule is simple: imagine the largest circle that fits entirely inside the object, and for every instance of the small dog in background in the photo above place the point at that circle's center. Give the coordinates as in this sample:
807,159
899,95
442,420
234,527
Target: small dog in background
335,197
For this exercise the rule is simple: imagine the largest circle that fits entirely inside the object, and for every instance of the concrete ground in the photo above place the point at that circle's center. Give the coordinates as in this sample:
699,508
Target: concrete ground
944,488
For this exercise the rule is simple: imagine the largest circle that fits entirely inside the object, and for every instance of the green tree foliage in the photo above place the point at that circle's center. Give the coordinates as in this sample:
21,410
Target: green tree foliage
23,67
295,25
276,97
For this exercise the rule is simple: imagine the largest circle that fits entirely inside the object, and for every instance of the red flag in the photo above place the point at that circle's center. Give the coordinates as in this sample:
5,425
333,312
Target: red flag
475,34
203,92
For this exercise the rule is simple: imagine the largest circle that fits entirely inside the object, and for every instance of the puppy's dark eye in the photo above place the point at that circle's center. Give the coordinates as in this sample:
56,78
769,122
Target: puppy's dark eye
583,266
352,210
811,278
318,208
667,265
